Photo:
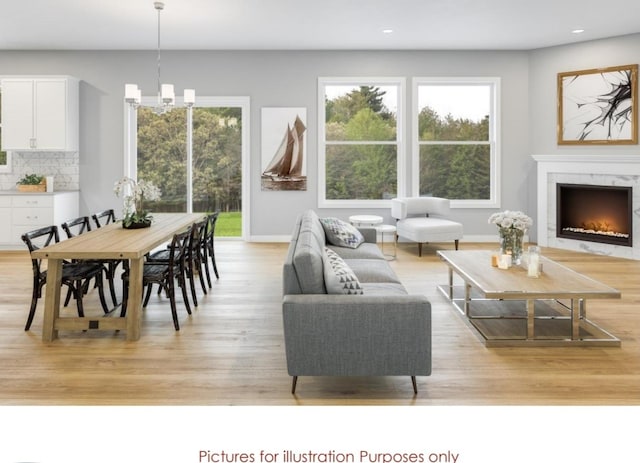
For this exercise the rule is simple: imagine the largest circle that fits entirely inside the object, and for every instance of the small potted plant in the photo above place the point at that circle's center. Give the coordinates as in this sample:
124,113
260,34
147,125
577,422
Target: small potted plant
32,182
134,194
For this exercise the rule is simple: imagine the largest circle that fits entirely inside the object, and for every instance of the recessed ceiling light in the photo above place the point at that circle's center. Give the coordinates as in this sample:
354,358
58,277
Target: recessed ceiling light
577,31
387,31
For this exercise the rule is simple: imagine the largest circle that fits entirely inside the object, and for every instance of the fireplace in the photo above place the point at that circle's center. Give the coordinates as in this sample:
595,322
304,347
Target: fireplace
610,169
601,214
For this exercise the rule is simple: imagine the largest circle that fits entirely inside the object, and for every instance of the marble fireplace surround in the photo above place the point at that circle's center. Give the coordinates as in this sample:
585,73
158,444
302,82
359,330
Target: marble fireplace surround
589,169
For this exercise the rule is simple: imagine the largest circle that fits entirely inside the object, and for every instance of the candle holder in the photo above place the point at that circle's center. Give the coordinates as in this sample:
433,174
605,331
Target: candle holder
534,264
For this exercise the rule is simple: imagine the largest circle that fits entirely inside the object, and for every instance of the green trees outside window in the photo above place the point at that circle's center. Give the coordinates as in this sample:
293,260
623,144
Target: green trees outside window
360,142
216,167
456,140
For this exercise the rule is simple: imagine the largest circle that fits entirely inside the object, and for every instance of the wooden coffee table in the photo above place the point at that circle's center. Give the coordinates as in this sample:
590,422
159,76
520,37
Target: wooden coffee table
508,308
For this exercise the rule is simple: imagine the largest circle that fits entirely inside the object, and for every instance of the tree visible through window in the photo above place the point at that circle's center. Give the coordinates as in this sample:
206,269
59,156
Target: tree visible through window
457,148
360,146
216,163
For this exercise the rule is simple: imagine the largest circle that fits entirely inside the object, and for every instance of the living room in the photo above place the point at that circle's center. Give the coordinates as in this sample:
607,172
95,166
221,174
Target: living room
289,78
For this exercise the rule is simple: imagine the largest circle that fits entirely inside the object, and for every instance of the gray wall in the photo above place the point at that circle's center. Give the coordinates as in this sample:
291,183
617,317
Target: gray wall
544,65
282,78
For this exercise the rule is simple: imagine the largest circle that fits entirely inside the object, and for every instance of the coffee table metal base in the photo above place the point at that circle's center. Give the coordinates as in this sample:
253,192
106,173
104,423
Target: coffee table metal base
528,322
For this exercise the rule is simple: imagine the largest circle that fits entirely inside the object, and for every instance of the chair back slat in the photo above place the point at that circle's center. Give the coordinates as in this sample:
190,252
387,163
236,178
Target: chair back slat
77,226
178,251
38,239
104,217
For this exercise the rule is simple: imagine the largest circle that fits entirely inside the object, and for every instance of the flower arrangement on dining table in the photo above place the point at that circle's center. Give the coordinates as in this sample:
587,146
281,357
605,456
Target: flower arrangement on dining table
511,226
134,194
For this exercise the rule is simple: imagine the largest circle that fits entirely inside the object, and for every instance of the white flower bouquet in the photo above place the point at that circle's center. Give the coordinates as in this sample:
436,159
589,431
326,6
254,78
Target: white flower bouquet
511,227
135,193
511,219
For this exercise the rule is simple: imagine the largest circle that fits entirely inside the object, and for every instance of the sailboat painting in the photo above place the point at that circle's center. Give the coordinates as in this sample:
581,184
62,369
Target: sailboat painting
283,149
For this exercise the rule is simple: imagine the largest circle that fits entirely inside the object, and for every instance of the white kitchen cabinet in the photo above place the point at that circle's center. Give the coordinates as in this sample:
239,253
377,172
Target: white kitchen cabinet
23,212
40,113
5,222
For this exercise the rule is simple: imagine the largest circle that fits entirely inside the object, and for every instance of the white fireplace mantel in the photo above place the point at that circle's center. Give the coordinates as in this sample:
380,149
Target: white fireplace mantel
588,169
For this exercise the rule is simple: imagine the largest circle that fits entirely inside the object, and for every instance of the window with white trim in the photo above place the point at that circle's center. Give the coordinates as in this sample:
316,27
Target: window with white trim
456,132
359,141
157,149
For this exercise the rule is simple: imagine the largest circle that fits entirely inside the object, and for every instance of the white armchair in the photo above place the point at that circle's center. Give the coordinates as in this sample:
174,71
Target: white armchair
415,220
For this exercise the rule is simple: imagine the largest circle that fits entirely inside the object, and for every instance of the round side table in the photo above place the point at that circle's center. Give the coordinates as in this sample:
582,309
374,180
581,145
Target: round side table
386,228
368,221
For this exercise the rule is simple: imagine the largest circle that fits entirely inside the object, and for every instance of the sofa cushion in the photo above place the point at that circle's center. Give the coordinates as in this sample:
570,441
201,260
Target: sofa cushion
429,229
364,251
373,270
341,233
310,222
383,289
307,262
338,277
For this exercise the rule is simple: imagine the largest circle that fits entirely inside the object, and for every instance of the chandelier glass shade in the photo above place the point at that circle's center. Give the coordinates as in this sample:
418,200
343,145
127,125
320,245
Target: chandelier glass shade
166,95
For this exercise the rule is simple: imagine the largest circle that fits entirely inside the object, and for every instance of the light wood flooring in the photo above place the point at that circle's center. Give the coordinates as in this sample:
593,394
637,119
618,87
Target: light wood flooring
231,350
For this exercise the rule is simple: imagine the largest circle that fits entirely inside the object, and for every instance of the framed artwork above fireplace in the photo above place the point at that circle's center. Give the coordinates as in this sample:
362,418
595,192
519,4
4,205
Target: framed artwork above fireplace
598,106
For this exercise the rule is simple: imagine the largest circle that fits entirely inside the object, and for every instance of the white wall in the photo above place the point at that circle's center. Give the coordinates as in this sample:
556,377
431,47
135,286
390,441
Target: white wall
277,78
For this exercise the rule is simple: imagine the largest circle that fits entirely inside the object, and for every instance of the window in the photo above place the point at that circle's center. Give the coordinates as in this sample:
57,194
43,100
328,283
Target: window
5,157
215,177
456,151
360,141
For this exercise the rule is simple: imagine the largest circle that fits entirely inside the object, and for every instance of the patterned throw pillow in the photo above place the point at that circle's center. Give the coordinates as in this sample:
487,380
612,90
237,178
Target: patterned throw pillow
338,277
340,233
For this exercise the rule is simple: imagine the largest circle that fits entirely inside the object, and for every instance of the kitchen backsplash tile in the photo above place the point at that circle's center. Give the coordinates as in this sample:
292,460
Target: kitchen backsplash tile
65,168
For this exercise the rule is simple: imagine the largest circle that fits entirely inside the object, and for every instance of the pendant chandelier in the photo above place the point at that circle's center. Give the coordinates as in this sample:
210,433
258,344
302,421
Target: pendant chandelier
166,95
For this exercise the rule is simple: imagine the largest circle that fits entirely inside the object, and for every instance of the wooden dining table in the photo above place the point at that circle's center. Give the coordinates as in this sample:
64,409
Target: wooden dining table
108,242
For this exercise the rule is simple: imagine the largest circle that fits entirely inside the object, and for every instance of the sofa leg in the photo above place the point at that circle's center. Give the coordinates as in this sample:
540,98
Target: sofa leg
456,242
415,385
293,384
419,249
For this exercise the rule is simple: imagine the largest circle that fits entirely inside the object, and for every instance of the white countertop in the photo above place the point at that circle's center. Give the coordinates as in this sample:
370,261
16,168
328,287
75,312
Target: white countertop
16,192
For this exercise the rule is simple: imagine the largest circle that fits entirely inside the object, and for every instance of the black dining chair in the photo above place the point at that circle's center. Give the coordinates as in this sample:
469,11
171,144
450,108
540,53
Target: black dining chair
104,217
79,225
75,275
165,274
194,262
207,248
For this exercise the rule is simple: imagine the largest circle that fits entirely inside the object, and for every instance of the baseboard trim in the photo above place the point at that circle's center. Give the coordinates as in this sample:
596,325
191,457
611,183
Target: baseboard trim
388,239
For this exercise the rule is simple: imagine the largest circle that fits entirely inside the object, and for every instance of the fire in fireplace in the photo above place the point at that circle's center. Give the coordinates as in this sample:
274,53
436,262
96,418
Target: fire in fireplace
601,214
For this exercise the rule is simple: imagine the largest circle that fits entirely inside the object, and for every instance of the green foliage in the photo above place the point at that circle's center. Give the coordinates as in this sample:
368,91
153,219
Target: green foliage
454,171
343,108
216,158
30,179
361,171
434,127
229,224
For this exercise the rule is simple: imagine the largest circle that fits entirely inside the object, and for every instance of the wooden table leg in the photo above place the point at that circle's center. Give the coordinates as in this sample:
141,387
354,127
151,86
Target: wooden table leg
530,318
52,300
134,303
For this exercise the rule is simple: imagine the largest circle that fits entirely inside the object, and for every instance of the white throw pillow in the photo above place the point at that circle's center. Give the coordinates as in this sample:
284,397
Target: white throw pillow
341,233
338,276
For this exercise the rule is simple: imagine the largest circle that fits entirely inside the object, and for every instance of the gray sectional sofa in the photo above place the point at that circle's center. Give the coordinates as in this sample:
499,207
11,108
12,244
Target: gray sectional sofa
384,331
